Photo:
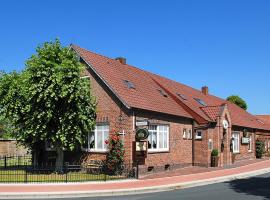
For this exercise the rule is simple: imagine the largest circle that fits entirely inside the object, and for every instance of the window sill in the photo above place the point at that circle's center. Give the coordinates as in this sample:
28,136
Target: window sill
95,151
158,151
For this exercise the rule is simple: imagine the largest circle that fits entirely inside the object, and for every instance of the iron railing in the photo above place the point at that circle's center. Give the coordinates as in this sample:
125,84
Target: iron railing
19,169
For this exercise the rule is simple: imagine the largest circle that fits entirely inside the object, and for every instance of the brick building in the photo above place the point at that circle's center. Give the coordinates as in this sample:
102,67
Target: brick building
184,124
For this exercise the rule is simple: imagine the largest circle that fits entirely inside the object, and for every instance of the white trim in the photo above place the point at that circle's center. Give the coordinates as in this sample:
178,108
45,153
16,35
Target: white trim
198,137
238,144
95,149
158,132
250,143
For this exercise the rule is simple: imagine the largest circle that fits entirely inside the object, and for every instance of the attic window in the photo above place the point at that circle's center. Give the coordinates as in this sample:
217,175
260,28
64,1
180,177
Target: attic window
200,101
163,93
129,84
182,96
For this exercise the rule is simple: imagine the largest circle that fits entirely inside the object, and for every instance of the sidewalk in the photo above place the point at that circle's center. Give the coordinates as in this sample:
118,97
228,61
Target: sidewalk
111,188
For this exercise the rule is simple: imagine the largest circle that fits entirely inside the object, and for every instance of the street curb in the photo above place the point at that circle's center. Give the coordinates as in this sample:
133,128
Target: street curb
121,192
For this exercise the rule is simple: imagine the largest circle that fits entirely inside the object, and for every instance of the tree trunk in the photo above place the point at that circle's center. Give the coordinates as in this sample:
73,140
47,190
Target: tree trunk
59,159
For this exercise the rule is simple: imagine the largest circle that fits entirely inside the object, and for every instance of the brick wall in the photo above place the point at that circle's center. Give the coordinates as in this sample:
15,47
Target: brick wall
180,149
11,147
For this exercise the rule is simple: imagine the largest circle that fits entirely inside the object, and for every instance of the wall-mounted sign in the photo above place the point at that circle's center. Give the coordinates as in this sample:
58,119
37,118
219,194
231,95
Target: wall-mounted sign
245,140
141,146
141,123
142,134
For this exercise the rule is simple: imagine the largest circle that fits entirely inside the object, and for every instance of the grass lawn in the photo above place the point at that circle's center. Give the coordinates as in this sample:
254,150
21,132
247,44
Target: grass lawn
20,176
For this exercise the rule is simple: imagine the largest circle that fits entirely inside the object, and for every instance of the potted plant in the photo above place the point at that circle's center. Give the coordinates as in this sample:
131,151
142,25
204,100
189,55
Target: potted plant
214,158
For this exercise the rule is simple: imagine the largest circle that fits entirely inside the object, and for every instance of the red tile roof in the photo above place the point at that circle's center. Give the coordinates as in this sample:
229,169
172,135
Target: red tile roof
264,118
146,95
213,112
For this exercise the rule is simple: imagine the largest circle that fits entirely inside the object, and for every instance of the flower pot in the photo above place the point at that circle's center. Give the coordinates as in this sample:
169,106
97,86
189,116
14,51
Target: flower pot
233,158
214,161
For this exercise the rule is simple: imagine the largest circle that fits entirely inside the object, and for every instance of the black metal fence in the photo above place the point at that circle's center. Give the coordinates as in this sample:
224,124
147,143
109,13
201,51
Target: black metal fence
19,169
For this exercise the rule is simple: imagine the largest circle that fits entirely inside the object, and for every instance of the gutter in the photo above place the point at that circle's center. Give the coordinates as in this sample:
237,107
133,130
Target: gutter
110,88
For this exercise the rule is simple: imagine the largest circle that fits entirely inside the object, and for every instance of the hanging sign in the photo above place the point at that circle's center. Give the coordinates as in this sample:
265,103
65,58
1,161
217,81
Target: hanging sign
141,146
142,134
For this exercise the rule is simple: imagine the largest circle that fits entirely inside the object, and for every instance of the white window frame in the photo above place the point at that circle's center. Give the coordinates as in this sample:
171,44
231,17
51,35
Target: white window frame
189,134
105,128
198,137
250,143
184,133
236,138
158,149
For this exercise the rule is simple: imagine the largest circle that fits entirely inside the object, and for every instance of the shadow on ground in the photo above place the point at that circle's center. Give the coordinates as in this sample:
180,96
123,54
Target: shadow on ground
256,186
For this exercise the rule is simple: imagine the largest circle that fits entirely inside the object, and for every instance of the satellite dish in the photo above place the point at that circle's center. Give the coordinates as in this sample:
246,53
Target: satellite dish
225,124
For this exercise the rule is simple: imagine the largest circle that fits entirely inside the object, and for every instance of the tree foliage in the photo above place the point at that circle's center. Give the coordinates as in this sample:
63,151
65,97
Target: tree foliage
238,101
48,101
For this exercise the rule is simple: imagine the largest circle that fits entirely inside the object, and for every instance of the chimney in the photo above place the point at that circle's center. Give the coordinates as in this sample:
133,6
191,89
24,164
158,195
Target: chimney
205,90
122,60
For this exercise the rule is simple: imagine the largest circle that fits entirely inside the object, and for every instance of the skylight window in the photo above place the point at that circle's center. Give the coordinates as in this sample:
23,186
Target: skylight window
129,84
182,96
200,102
163,93
260,121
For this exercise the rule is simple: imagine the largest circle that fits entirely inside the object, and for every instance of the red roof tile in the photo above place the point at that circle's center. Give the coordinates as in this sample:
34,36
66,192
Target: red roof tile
264,118
146,95
213,112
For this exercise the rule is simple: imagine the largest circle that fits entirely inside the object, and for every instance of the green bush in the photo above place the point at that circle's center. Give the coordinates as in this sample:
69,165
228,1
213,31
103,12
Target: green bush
259,149
214,152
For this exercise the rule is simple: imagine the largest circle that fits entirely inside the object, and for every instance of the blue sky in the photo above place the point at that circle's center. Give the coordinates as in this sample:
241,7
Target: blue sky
222,44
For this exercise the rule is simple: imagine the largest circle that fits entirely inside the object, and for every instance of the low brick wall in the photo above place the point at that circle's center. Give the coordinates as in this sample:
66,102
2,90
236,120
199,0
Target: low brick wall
11,147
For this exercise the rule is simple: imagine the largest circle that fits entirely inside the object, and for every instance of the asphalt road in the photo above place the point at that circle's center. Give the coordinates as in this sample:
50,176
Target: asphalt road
246,189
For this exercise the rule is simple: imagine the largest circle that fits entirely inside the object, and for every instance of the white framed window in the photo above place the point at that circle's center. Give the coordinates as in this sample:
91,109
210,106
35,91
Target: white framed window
158,139
250,143
96,139
235,142
198,135
189,134
184,133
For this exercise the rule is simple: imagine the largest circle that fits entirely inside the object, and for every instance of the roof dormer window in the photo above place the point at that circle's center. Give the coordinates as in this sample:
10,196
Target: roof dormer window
163,93
182,96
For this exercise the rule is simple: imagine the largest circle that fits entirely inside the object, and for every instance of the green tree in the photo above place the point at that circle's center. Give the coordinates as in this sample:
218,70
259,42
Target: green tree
238,101
49,101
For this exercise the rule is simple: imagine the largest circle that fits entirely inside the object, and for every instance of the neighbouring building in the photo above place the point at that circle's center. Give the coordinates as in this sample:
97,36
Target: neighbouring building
184,124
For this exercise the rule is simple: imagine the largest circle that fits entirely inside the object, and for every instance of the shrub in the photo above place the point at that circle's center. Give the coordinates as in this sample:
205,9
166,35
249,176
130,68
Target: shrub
115,155
259,149
214,152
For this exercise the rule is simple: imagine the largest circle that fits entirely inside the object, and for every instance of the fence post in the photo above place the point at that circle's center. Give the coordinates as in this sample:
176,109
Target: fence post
66,171
137,170
5,160
25,176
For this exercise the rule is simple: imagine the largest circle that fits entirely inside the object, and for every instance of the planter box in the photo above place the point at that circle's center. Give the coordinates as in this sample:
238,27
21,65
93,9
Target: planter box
214,161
